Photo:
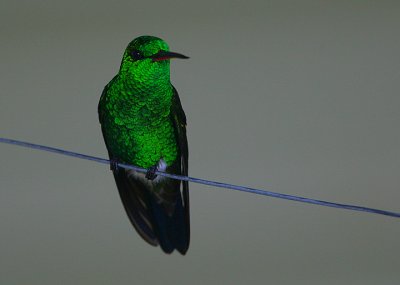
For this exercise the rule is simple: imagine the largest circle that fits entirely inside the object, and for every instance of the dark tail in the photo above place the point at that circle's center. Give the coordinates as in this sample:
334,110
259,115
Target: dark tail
160,220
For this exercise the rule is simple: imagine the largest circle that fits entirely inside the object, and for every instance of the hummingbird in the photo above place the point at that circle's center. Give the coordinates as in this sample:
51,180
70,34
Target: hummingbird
143,124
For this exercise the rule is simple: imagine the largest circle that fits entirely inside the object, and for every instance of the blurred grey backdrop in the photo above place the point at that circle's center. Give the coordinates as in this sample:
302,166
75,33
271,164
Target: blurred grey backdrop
300,97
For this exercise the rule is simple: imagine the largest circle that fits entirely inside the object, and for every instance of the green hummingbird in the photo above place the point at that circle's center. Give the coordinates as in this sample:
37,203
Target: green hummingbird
143,124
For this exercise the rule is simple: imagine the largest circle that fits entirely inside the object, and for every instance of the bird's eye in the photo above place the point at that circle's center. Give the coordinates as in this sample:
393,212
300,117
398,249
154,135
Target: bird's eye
136,55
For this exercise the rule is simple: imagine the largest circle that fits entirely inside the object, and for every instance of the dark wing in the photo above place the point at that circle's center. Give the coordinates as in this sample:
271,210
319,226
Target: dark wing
179,119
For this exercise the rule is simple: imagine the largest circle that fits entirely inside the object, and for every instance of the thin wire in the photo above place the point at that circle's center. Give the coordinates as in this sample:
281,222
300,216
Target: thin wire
203,181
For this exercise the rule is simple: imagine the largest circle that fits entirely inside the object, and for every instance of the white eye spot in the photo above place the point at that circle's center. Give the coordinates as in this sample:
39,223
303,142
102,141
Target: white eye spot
137,55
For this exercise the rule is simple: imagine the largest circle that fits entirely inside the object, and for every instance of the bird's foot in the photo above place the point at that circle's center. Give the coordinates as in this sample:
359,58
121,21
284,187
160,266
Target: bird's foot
114,164
151,172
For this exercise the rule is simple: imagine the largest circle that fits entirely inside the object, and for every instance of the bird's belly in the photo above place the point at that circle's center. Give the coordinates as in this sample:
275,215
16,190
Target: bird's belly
161,166
143,146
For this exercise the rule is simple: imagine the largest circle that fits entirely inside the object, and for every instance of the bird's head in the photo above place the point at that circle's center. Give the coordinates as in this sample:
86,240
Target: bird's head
146,61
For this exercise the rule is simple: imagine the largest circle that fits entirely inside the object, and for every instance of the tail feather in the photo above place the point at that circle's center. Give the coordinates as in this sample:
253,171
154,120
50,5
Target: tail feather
158,221
135,202
172,230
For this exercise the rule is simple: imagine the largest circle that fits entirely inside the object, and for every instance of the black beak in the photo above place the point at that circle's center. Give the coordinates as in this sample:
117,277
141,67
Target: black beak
164,55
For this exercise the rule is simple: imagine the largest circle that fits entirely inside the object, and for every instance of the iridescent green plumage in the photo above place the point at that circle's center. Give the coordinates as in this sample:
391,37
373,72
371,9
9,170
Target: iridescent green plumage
143,124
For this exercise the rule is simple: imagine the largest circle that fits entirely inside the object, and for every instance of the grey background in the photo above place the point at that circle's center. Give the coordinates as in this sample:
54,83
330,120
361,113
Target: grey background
300,97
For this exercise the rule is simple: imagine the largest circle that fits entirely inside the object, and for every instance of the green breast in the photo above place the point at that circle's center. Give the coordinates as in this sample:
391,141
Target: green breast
137,126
